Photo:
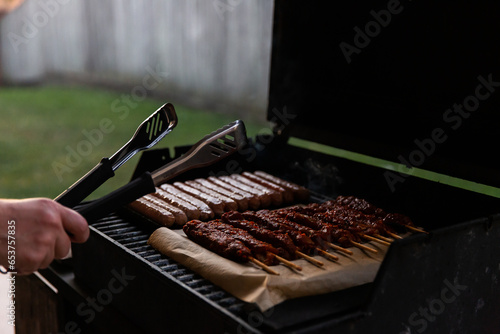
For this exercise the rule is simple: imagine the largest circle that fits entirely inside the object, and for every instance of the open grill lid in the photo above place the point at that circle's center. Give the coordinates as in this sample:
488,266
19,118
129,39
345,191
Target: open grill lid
416,83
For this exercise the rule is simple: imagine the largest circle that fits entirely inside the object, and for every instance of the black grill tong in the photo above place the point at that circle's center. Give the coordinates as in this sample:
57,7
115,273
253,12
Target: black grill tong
210,149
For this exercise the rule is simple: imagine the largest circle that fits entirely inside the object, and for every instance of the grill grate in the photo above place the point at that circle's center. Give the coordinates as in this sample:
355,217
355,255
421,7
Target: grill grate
130,232
135,238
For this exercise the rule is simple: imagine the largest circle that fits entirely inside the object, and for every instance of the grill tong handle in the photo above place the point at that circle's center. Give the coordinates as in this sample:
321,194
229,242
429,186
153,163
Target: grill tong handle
86,184
138,187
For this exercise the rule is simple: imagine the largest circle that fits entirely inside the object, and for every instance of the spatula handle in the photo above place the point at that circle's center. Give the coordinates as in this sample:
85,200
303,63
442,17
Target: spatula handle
99,208
86,184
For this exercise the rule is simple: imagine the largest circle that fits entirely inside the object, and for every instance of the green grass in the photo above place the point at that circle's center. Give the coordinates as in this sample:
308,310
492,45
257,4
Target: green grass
40,125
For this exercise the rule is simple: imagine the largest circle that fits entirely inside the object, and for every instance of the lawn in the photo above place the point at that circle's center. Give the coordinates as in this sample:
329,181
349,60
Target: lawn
43,127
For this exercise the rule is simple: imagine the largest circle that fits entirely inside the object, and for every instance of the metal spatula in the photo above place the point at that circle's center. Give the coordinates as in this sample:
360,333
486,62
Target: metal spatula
212,148
149,132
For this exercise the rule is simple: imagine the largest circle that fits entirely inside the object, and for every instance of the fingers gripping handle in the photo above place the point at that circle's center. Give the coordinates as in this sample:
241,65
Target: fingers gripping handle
138,187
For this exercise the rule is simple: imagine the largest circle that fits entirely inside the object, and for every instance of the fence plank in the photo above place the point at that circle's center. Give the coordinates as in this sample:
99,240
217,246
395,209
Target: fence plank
209,52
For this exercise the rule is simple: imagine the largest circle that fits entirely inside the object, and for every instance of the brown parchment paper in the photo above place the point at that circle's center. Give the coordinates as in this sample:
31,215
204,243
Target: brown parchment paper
252,284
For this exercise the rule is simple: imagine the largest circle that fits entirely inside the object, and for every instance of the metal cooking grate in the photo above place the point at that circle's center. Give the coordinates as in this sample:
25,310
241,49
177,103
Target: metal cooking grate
129,231
135,239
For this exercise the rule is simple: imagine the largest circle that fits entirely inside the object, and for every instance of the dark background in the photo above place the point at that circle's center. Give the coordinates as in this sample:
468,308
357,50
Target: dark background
397,89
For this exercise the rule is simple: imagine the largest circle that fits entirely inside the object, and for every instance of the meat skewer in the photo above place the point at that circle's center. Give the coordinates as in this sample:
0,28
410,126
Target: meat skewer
303,241
329,232
325,233
363,228
336,234
368,208
294,242
319,237
263,251
279,240
224,245
356,222
360,216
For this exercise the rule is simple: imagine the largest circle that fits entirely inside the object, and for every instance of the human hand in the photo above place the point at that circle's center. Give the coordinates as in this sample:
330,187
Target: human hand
8,5
42,229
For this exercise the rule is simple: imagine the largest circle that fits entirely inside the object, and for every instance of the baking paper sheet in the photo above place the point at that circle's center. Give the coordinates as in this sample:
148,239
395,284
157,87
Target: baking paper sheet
252,284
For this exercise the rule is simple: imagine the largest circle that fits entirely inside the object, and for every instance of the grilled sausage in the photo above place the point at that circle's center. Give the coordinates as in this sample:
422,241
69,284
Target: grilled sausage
300,194
214,203
276,197
206,211
286,193
253,201
165,192
264,198
180,216
239,199
153,211
229,204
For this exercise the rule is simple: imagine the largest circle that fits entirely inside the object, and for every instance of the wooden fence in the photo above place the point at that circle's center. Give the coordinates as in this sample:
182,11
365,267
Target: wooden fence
208,53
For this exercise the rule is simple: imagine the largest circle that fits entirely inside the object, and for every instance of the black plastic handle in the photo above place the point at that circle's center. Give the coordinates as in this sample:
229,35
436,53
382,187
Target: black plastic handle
101,207
86,184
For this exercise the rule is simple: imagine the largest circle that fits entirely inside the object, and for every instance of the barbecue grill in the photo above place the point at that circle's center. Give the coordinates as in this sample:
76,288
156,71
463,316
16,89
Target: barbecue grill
366,77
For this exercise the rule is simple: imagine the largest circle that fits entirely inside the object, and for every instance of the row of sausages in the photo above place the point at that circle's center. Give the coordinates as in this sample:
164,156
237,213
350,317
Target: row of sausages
206,198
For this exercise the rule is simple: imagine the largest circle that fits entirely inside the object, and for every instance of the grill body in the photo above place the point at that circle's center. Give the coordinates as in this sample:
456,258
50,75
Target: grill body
459,257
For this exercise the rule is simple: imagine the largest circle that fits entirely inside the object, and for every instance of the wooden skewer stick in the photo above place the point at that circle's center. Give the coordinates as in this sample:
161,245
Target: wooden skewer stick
361,246
394,235
383,238
415,229
288,263
341,249
369,237
310,259
329,256
262,265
